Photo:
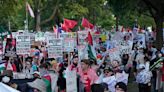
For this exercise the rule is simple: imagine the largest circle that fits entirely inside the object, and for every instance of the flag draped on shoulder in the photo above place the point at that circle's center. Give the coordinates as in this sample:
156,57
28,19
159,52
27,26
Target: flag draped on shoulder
29,9
86,24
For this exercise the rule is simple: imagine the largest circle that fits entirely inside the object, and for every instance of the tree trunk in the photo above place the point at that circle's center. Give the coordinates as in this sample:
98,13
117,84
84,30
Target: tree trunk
38,27
159,30
37,15
117,23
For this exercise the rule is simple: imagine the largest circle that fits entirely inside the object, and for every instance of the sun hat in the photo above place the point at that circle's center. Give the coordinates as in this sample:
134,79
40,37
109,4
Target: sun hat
36,72
38,84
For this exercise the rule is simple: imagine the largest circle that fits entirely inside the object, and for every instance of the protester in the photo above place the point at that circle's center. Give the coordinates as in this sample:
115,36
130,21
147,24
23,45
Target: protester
109,78
47,69
143,79
43,69
121,87
28,69
88,76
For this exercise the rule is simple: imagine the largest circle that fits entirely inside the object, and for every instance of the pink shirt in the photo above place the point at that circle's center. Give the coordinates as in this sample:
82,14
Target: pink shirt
90,73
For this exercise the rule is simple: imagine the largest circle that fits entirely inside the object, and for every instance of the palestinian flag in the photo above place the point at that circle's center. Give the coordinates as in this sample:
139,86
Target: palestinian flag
91,50
47,81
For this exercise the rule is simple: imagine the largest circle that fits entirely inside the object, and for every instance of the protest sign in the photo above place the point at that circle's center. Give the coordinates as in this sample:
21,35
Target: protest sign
140,40
10,48
82,52
39,36
125,47
23,44
71,81
114,54
82,35
65,35
54,47
69,44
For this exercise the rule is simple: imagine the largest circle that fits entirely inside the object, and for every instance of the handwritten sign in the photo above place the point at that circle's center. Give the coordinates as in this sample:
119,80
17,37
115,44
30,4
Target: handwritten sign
71,81
23,44
125,47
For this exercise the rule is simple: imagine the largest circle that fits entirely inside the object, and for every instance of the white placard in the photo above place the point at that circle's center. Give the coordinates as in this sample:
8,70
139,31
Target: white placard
55,48
23,44
69,44
71,81
125,47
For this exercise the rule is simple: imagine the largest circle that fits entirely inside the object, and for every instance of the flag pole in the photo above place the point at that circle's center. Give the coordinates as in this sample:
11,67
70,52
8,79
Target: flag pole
26,21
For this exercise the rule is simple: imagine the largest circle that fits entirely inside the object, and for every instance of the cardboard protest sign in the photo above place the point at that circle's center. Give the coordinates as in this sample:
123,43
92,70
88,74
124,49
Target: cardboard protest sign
82,35
71,81
55,47
10,48
125,47
69,44
23,44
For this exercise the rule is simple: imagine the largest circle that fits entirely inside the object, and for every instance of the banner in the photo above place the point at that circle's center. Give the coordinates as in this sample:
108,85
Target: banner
71,81
69,44
23,44
10,48
54,47
82,35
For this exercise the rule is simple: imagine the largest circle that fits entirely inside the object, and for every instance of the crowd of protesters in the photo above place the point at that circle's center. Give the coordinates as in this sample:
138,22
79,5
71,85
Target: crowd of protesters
42,74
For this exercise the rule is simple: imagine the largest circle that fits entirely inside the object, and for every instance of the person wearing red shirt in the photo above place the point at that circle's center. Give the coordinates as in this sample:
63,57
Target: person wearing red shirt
88,76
